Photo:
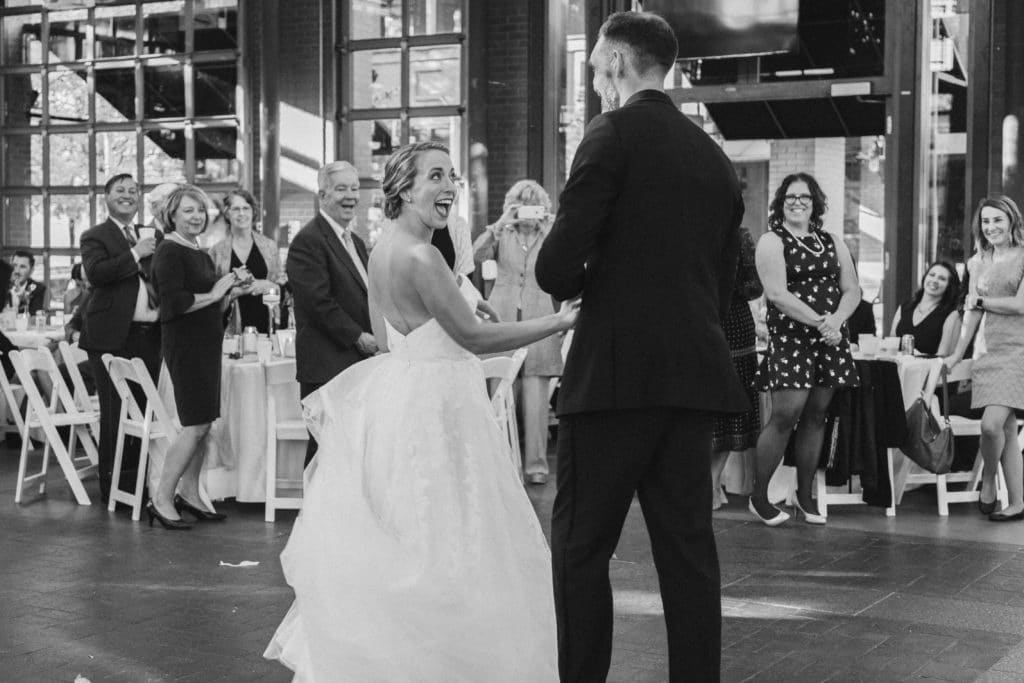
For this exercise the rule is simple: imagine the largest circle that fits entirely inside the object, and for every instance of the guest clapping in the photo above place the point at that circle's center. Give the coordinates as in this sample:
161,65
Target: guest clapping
812,288
997,377
192,299
246,247
931,314
514,241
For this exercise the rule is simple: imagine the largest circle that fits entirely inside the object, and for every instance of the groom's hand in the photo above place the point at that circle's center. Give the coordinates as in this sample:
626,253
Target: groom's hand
366,344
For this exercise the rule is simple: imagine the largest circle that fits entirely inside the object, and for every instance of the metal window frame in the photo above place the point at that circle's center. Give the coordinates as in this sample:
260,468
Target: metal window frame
347,114
138,126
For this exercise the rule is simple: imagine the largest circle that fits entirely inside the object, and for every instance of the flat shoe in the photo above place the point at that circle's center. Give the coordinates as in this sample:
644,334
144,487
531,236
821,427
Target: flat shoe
1000,517
986,508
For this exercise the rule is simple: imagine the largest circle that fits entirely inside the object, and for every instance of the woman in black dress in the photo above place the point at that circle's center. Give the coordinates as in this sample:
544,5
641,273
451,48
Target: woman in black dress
811,286
738,431
192,300
246,246
931,315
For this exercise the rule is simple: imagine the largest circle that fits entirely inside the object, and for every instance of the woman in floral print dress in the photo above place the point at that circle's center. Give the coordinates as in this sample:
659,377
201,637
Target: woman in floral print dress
811,286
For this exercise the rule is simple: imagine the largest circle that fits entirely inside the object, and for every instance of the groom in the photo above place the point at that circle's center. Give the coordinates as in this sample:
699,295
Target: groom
647,232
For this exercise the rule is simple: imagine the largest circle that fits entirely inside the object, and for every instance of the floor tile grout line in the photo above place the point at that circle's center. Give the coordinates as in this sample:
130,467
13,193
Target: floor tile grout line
876,602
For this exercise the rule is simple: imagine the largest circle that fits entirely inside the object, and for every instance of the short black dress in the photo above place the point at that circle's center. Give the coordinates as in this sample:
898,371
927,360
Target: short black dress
797,357
251,309
739,431
191,342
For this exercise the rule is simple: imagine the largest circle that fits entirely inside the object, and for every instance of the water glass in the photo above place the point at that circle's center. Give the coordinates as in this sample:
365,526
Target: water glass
264,349
868,344
21,322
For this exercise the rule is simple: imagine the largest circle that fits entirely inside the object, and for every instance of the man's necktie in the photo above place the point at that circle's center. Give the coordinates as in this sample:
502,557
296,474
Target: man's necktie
350,247
129,234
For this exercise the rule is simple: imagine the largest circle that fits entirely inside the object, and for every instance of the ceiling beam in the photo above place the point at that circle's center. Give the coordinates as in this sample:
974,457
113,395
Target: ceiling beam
783,90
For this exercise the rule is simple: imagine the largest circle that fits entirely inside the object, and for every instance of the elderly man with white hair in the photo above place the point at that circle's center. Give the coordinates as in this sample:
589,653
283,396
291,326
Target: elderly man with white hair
326,267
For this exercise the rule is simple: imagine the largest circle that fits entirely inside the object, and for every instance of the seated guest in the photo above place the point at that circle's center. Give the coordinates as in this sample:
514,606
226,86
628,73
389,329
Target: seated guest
6,346
75,296
26,295
192,299
237,251
931,314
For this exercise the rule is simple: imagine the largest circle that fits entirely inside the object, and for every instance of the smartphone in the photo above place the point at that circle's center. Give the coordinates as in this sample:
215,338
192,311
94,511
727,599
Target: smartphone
535,213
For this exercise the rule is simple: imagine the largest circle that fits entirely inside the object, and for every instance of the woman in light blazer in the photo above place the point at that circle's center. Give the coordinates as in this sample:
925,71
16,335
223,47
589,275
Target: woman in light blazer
245,246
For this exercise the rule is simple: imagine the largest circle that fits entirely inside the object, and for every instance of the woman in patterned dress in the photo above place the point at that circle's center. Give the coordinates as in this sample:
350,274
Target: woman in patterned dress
996,290
811,286
738,431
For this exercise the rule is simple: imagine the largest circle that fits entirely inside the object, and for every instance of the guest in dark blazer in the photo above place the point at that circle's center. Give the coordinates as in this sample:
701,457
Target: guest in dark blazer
193,298
647,233
6,345
120,316
26,295
326,269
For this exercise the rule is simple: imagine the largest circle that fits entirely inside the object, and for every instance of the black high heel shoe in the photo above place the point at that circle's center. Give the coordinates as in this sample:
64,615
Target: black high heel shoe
200,514
170,524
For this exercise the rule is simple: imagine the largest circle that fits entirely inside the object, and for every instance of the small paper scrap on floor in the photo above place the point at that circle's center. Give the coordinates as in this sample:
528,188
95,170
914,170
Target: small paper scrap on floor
81,679
243,563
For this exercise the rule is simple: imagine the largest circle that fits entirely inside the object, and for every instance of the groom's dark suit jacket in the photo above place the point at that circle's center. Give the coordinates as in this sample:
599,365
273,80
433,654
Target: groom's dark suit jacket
648,232
331,308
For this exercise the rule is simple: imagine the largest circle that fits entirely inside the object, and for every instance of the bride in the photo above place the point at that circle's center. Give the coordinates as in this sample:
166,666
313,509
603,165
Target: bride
417,555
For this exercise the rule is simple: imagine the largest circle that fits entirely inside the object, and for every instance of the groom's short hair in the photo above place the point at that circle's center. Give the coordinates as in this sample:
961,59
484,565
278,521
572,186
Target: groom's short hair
647,35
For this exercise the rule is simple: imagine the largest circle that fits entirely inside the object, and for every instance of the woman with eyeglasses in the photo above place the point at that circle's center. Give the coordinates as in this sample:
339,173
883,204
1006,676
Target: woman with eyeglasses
811,287
246,247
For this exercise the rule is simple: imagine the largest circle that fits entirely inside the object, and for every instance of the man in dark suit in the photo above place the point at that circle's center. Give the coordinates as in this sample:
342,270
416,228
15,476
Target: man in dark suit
647,232
120,316
327,273
26,295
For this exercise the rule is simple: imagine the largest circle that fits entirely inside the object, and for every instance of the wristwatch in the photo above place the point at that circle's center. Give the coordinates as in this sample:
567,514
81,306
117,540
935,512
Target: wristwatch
979,304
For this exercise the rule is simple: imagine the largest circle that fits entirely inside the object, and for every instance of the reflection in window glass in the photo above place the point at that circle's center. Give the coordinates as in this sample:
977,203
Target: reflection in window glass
375,19
215,89
435,16
69,218
377,79
163,27
435,76
23,219
115,31
69,159
115,94
164,95
22,103
373,143
443,129
69,36
68,96
215,25
163,158
22,39
23,160
115,153
217,154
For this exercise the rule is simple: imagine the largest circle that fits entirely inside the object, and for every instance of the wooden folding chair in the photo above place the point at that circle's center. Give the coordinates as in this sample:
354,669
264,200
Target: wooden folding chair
962,426
505,369
280,429
153,425
62,411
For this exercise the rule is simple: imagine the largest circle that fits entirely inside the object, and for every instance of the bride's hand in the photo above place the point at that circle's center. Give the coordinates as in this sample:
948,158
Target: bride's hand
568,314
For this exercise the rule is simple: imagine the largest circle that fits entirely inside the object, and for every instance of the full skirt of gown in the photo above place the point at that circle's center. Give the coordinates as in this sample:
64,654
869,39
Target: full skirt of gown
417,555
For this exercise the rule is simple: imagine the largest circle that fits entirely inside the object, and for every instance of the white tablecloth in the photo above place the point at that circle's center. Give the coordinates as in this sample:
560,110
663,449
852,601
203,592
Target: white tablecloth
34,339
235,464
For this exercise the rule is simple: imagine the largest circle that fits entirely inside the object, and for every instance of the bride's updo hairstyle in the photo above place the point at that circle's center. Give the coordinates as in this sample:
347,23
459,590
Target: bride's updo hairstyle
400,174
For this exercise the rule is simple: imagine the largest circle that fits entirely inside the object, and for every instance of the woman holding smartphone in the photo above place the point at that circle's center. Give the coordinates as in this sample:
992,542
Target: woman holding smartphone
514,240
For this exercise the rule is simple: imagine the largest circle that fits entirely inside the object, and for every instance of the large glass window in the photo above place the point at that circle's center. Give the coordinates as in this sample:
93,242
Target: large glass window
146,87
401,81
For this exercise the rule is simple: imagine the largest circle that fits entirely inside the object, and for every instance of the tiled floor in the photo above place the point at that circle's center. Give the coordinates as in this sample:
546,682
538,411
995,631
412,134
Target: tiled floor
864,599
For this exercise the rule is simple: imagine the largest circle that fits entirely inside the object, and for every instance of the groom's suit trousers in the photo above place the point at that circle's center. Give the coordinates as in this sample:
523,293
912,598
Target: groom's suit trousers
662,455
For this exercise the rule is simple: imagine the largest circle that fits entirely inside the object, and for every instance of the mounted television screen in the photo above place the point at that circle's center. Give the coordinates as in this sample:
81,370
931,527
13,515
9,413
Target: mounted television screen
730,28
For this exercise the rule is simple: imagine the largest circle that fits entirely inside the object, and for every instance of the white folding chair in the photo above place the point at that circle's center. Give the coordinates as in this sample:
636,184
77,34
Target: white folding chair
962,426
62,411
504,369
10,412
281,376
153,425
72,357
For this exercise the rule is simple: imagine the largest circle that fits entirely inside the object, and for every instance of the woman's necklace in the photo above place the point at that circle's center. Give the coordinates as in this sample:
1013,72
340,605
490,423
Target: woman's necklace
530,241
182,240
815,252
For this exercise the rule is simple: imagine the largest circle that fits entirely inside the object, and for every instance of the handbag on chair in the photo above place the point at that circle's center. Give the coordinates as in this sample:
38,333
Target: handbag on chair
930,444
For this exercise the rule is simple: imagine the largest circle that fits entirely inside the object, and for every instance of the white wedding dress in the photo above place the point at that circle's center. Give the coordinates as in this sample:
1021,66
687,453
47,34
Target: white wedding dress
417,555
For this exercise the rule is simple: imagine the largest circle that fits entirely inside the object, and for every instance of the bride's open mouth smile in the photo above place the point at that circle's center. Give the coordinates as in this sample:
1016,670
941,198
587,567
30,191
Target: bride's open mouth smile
443,206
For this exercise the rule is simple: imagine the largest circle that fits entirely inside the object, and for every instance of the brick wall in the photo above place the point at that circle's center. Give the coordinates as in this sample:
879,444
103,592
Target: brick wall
507,56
